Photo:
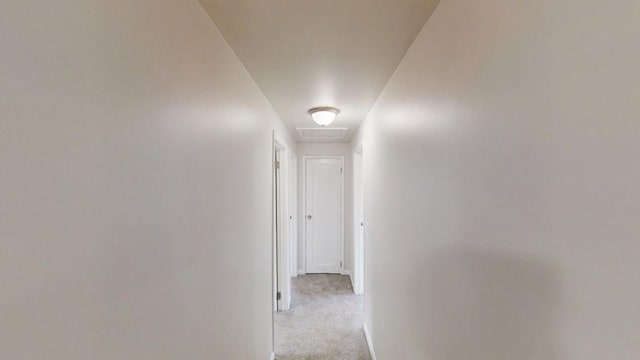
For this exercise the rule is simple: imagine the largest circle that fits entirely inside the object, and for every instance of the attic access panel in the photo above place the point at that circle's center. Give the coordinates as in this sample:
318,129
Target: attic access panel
323,133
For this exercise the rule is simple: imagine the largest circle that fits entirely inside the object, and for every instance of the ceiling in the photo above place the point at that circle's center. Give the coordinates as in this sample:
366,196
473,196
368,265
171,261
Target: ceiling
308,53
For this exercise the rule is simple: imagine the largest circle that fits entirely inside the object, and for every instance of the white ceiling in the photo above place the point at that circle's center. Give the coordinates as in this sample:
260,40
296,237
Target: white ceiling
308,53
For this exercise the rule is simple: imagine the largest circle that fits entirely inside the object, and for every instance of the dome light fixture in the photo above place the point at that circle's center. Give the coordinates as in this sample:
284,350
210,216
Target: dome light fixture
324,116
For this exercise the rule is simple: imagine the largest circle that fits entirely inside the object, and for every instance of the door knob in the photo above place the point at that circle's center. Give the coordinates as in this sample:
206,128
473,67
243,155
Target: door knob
309,217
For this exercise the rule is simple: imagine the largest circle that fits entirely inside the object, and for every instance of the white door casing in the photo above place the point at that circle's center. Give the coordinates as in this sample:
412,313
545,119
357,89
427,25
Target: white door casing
282,234
358,211
293,215
324,224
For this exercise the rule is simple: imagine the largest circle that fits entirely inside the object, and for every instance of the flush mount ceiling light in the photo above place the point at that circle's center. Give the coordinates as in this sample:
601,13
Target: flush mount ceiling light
324,116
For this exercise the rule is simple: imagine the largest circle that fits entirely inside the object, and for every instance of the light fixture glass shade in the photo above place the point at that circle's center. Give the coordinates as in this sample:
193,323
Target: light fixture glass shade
324,115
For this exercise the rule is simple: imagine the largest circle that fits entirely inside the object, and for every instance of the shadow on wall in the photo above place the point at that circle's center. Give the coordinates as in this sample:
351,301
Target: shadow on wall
487,306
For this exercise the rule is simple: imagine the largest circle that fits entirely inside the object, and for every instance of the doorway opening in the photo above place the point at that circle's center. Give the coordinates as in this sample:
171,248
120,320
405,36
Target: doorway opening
283,231
326,315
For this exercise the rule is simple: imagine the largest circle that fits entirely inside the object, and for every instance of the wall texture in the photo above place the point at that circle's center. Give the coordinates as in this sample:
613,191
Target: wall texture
502,186
135,182
343,149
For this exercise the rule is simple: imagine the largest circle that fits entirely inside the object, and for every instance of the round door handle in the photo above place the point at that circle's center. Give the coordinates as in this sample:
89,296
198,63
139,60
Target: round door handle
309,217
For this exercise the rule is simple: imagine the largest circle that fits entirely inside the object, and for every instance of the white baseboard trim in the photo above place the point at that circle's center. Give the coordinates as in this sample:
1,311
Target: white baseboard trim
352,287
301,272
348,272
368,337
273,356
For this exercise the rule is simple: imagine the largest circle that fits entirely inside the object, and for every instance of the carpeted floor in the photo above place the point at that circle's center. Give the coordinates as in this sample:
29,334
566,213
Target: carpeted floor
324,323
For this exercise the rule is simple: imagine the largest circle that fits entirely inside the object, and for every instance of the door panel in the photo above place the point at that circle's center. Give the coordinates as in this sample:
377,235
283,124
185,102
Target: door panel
324,229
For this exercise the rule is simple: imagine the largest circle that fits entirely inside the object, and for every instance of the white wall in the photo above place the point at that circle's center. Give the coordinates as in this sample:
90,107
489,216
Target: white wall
502,175
327,149
135,177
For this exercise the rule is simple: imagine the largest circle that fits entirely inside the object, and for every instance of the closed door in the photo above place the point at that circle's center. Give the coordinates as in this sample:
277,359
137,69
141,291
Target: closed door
323,215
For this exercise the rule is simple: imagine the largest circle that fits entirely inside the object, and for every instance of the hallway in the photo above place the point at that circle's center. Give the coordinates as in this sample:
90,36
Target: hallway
325,321
169,168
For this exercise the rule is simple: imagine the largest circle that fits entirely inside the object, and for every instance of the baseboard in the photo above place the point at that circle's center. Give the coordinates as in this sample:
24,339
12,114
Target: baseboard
368,337
301,272
348,272
273,356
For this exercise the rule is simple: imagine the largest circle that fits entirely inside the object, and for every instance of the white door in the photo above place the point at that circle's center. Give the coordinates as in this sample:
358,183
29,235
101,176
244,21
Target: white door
323,215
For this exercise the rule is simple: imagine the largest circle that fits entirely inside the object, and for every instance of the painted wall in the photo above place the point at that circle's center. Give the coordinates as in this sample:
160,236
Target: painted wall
343,149
135,177
502,175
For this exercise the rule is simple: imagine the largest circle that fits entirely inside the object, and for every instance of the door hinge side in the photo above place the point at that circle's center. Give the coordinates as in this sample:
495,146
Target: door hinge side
278,296
277,165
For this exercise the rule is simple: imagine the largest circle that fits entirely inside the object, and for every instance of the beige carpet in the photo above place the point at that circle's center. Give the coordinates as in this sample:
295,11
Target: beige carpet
324,323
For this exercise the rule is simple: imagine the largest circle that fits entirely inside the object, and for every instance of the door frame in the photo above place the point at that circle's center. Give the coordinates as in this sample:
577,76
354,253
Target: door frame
282,236
358,220
303,211
293,213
